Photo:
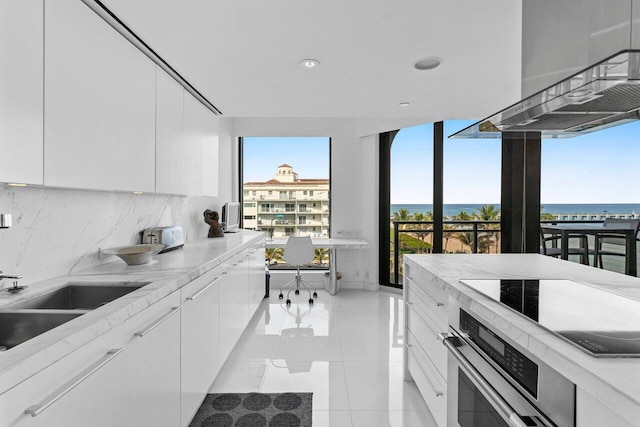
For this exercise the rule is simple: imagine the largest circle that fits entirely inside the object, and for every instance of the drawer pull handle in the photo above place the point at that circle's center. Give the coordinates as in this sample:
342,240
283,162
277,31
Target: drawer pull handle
164,318
203,290
434,302
36,410
437,392
437,335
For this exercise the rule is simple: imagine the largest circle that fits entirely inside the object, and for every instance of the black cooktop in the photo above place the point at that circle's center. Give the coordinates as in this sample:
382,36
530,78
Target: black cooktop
600,323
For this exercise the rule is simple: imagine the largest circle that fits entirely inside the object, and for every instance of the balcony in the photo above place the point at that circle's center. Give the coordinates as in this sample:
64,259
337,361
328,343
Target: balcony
416,237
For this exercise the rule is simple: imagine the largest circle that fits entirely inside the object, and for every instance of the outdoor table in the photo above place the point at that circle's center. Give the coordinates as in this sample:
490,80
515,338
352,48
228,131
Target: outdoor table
565,230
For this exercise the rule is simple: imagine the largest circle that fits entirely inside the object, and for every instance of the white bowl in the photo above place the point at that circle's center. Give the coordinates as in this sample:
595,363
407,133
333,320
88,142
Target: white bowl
135,254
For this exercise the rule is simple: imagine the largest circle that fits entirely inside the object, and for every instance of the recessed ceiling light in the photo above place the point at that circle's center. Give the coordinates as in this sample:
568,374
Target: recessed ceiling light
404,104
309,63
427,63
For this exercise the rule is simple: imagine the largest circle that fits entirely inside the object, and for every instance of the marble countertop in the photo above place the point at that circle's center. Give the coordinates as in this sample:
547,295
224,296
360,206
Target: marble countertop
165,274
613,381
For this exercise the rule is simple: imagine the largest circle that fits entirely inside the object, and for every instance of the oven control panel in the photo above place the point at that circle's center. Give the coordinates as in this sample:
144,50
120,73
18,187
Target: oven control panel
522,369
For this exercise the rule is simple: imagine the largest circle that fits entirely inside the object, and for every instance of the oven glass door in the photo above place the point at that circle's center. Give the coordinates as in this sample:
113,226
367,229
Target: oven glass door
474,410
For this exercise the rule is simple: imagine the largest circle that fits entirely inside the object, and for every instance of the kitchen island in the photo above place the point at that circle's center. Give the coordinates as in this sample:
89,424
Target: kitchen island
152,353
607,389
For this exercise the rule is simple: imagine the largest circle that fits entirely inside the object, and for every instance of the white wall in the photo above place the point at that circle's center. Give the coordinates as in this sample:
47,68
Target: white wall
354,185
59,231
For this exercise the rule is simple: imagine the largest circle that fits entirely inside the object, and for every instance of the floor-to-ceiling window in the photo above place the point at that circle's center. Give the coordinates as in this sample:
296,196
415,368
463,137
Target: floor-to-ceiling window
593,177
411,195
471,192
469,187
286,189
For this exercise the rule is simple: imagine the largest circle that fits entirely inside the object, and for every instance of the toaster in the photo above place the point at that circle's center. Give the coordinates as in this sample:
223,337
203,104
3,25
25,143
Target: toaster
171,237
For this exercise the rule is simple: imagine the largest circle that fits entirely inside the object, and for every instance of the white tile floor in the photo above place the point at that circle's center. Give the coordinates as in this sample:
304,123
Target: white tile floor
345,349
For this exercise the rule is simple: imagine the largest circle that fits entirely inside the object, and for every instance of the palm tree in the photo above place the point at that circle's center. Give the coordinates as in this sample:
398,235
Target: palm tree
546,216
401,215
320,255
273,254
465,238
422,235
488,213
463,216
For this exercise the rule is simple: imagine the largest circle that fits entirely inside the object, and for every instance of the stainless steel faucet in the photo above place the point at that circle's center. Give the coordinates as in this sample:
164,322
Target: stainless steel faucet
8,276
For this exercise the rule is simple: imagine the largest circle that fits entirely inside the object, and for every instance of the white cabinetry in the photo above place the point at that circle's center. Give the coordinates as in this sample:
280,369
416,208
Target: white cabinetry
21,75
200,340
186,142
591,412
256,278
171,164
216,308
425,356
234,297
200,148
99,104
128,376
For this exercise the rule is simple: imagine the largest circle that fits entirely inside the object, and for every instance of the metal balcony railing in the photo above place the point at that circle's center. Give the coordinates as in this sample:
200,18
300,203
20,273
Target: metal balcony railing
413,237
471,237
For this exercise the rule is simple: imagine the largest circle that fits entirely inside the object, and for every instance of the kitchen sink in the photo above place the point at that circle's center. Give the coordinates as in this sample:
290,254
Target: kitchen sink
17,327
79,296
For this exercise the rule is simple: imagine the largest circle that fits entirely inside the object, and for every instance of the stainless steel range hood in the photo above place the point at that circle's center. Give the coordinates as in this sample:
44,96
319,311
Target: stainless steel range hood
604,95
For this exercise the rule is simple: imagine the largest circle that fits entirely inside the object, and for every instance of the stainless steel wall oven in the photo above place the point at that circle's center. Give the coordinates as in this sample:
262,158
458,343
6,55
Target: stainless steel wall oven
493,382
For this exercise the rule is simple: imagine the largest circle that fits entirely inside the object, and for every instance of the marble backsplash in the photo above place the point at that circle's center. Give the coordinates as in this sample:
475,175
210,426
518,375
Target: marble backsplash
56,232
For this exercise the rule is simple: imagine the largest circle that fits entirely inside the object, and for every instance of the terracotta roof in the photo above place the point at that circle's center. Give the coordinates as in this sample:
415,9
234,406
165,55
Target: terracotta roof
284,165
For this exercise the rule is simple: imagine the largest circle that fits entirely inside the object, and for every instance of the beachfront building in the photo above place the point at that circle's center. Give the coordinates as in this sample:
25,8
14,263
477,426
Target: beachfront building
287,205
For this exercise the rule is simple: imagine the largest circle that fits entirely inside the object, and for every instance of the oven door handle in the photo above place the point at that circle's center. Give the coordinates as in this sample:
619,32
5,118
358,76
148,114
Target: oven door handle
452,343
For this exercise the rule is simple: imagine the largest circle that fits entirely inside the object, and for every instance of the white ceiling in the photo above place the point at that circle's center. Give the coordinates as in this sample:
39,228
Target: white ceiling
243,55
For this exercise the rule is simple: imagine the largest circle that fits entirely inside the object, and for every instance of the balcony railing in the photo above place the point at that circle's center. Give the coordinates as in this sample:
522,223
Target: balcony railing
411,237
470,237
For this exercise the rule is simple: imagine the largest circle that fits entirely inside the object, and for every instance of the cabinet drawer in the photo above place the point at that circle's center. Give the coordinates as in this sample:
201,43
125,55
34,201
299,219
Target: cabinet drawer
426,378
429,341
425,281
431,309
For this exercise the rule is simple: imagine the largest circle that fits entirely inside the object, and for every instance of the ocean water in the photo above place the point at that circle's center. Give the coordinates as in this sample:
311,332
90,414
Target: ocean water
555,209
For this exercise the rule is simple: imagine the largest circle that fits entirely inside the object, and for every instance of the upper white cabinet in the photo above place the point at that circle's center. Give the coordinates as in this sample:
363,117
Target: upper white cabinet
170,150
186,142
201,148
99,104
210,154
21,70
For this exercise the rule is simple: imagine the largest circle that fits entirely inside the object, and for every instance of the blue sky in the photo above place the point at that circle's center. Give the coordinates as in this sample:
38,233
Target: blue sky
600,167
309,156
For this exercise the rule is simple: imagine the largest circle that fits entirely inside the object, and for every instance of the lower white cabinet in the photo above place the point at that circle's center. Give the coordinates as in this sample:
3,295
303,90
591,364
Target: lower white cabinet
256,278
234,298
216,308
592,412
425,357
153,369
130,376
200,341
